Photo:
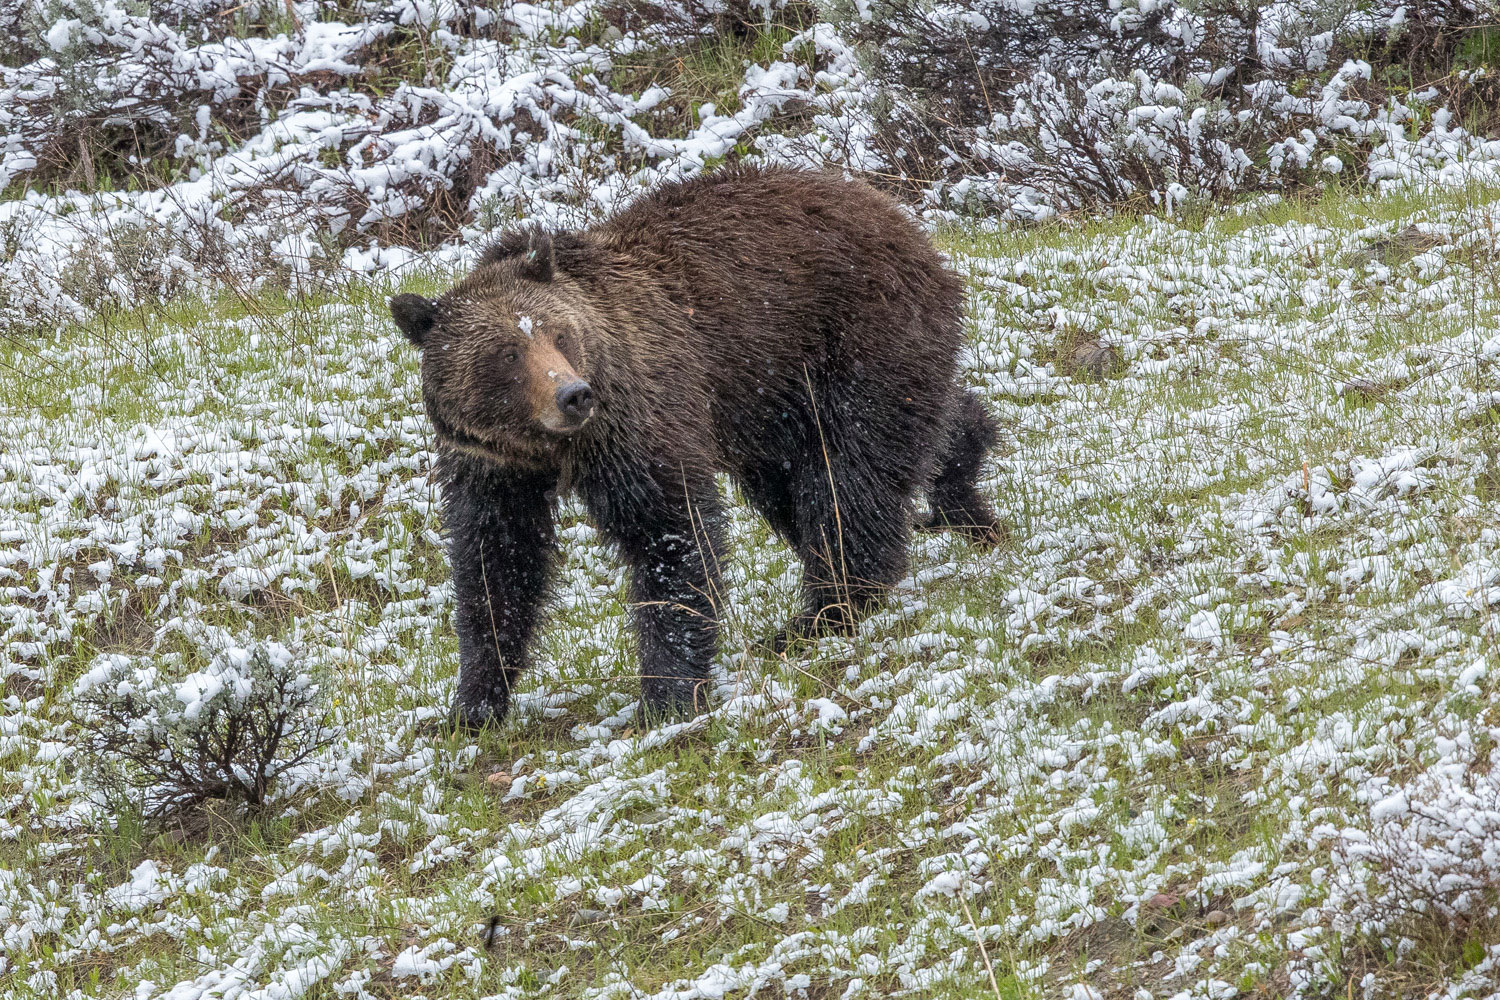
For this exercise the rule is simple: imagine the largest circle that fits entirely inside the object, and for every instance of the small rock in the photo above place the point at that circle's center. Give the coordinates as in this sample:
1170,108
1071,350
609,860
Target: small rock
1413,239
1362,387
611,34
1216,918
500,779
1398,248
588,917
1094,359
173,835
1161,901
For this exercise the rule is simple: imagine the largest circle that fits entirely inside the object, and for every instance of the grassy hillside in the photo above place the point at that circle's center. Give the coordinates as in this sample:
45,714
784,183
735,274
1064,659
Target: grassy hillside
1194,730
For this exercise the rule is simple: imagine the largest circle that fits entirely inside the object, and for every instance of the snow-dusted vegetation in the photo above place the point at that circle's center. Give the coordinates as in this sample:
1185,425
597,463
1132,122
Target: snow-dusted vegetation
1218,718
150,148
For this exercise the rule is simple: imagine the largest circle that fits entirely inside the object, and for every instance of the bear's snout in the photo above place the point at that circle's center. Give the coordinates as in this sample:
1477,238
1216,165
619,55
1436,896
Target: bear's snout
575,400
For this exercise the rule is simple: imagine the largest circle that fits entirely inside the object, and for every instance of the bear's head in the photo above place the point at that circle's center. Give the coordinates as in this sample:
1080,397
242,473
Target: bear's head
504,353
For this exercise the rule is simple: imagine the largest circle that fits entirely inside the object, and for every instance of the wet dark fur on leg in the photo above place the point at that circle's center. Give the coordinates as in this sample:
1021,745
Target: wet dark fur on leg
502,544
669,534
956,500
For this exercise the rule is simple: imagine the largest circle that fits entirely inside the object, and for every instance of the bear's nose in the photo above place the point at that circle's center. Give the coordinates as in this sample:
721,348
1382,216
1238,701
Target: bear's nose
576,400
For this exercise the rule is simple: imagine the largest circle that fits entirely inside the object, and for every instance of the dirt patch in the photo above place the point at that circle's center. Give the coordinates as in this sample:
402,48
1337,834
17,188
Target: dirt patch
130,628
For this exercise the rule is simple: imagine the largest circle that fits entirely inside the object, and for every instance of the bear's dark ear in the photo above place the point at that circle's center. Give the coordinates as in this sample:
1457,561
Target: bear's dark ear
510,244
414,315
540,253
538,262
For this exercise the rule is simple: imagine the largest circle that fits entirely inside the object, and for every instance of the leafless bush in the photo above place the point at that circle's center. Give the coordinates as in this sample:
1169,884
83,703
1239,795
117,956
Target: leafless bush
1421,878
224,732
1092,102
83,110
677,20
108,89
120,261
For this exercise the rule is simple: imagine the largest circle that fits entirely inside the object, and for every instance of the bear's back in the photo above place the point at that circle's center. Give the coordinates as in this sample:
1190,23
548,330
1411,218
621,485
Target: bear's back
793,265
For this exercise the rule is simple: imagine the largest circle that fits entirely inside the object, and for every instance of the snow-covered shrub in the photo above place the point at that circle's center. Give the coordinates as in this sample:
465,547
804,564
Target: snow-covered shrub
302,141
109,87
1106,143
1051,105
106,90
675,20
226,731
1425,865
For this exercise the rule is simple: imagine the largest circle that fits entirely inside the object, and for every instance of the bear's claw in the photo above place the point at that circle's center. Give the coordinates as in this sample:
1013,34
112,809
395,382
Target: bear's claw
983,532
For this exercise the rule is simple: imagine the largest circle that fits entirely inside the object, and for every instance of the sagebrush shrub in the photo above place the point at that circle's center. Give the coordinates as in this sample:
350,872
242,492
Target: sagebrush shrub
1056,105
227,731
1419,875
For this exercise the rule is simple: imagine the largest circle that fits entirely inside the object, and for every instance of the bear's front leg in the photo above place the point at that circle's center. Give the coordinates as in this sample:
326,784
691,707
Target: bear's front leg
668,528
502,544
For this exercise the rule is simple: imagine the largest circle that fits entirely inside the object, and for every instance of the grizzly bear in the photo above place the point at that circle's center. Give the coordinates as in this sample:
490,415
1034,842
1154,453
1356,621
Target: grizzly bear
792,329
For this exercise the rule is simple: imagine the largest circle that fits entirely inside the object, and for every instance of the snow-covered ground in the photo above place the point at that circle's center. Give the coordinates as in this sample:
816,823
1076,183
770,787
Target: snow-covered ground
1219,719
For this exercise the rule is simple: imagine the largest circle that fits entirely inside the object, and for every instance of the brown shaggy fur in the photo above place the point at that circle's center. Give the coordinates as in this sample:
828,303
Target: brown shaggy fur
792,329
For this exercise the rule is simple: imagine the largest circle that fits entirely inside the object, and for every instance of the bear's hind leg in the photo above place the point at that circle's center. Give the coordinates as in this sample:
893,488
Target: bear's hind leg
854,522
956,500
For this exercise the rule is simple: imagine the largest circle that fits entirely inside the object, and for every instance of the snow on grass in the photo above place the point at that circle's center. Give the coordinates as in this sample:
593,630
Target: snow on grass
1194,730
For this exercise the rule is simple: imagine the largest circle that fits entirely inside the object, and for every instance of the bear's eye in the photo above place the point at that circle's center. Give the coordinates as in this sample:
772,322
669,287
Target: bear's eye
511,356
562,341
